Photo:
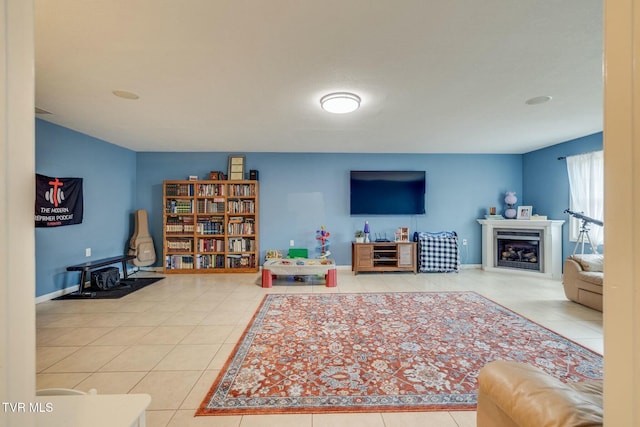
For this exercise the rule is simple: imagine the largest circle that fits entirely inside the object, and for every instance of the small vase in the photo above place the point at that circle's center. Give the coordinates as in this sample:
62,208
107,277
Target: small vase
510,213
510,198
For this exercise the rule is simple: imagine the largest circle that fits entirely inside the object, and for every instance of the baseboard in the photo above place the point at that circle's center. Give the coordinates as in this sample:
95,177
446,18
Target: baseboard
149,269
462,267
56,294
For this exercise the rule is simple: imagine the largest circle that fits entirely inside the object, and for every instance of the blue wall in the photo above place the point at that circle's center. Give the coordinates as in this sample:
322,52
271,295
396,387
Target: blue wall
109,177
546,183
299,192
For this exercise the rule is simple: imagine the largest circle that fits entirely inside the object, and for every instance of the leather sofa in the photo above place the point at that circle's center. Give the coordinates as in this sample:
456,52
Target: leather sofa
513,394
582,279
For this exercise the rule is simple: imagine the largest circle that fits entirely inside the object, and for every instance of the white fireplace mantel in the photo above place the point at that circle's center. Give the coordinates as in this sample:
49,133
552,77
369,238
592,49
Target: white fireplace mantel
552,241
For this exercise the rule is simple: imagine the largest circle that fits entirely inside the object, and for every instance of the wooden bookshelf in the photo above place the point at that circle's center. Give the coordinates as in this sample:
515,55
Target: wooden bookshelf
210,226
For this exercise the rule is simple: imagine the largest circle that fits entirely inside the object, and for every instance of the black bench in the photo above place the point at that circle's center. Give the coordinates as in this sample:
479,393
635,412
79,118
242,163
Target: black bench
92,265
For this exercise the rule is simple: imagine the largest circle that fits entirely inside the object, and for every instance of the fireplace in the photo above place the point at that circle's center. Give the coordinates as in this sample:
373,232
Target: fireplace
520,249
528,247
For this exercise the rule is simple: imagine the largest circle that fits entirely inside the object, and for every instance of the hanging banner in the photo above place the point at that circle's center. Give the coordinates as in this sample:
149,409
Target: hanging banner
58,201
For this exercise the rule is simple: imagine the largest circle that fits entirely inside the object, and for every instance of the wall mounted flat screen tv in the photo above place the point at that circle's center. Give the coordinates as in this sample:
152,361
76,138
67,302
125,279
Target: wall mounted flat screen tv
388,192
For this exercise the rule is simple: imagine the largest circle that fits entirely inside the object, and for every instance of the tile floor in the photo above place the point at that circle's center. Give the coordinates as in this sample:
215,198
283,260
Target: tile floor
171,339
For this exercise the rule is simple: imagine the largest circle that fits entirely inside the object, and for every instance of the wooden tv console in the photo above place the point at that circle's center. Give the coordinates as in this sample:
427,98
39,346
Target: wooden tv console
384,256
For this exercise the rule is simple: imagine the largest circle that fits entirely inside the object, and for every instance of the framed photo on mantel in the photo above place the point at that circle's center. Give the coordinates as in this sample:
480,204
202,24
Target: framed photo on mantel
524,212
236,167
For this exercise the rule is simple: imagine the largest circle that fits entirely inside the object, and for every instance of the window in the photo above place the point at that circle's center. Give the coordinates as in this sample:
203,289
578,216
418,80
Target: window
586,184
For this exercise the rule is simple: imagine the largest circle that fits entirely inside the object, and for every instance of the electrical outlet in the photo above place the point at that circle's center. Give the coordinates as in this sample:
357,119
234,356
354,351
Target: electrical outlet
291,243
464,242
87,252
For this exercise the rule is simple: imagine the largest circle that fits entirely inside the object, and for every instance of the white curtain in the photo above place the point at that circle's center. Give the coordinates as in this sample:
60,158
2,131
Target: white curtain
586,182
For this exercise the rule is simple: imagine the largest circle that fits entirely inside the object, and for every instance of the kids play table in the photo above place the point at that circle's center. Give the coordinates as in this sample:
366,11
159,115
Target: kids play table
299,267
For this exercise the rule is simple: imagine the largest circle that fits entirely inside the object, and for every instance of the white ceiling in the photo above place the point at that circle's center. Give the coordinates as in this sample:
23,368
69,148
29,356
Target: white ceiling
247,75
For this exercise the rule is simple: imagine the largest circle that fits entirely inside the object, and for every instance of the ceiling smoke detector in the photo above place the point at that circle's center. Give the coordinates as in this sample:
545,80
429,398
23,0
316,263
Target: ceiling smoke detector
125,94
538,100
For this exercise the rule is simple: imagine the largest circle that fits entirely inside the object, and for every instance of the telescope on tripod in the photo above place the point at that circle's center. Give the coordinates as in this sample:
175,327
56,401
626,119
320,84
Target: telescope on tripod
584,230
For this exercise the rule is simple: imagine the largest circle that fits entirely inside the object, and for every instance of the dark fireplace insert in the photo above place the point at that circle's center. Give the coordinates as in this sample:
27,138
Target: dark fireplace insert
518,249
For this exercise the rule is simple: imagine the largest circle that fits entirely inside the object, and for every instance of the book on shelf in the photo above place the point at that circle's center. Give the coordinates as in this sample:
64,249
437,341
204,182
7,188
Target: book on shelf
179,189
215,205
206,190
213,225
179,262
210,261
210,245
247,190
180,245
241,206
241,261
179,224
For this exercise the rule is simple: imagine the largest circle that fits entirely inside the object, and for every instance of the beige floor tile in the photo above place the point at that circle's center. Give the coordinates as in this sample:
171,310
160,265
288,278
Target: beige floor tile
158,418
348,420
45,335
574,330
200,390
111,382
87,359
48,356
208,334
184,318
185,418
102,320
135,306
138,358
594,344
47,308
221,356
167,335
188,357
431,419
287,420
205,305
168,389
189,296
150,318
63,380
236,333
223,317
168,307
50,317
124,335
79,336
465,418
58,320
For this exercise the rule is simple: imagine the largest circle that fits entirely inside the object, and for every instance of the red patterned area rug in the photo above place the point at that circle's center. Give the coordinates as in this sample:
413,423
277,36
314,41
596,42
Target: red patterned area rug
381,352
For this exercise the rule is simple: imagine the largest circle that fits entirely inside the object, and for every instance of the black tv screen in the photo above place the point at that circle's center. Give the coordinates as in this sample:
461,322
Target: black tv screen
388,192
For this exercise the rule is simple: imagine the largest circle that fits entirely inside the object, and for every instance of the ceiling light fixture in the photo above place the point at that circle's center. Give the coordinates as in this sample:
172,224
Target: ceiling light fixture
340,102
538,100
125,94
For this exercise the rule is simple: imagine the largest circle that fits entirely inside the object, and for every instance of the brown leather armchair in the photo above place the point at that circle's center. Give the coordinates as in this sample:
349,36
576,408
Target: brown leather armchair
515,394
583,279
